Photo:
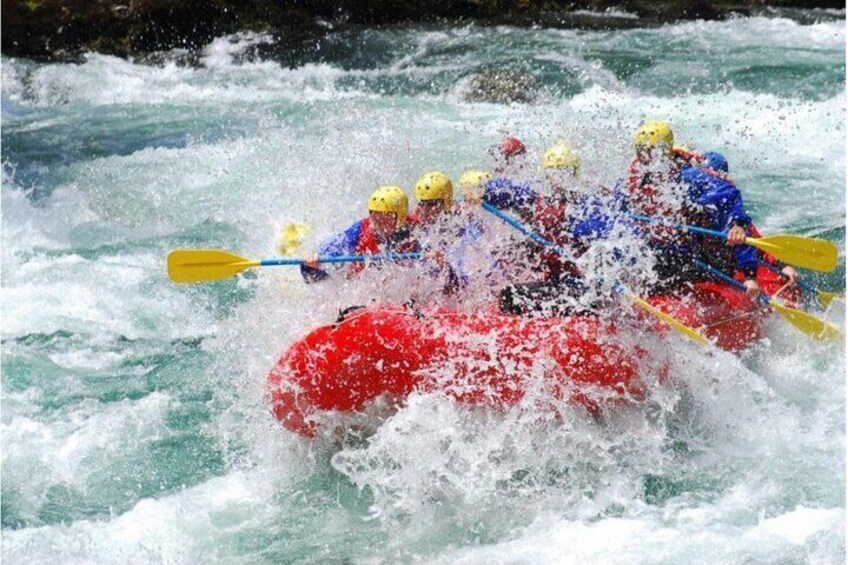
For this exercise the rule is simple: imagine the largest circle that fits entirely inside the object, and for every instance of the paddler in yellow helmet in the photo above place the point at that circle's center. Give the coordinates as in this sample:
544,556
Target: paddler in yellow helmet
654,185
434,192
433,225
478,258
656,165
552,215
549,215
473,183
670,182
384,230
569,216
561,166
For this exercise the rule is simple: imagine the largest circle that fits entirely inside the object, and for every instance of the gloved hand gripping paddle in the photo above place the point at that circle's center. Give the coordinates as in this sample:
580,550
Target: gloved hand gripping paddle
806,252
816,328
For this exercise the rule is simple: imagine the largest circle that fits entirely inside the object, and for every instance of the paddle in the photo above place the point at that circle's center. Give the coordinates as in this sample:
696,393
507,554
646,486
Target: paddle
806,252
204,265
642,303
824,297
648,307
816,328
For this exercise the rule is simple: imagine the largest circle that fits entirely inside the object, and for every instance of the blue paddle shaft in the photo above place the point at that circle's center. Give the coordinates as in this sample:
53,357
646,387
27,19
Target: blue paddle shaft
729,280
517,225
536,237
694,229
342,259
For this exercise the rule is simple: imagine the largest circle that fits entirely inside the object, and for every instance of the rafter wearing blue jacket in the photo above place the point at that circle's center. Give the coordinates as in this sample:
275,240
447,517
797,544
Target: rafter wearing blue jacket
711,188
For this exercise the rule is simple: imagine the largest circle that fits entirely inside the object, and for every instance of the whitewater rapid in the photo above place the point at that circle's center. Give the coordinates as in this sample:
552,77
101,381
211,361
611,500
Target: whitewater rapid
134,424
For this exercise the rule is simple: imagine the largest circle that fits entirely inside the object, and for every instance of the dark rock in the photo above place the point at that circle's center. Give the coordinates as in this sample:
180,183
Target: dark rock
62,29
502,87
693,10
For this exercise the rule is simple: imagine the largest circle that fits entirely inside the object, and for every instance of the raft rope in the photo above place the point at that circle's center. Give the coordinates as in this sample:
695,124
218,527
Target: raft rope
734,318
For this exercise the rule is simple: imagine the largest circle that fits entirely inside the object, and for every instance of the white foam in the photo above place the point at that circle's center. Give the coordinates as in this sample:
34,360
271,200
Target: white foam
225,78
105,80
607,13
44,292
773,33
799,525
636,540
187,527
39,453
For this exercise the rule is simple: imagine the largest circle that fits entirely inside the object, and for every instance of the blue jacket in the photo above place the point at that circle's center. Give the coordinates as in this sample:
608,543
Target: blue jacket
589,220
354,241
344,243
719,197
506,194
722,205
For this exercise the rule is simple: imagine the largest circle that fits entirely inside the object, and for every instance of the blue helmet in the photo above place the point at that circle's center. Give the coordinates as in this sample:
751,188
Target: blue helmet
715,161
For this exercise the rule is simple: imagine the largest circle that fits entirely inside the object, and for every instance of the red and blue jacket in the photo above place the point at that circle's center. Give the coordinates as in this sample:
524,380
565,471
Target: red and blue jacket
359,239
569,224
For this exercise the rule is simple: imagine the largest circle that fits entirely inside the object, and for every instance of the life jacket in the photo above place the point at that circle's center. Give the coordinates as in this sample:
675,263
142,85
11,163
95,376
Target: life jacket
551,220
644,191
642,182
368,244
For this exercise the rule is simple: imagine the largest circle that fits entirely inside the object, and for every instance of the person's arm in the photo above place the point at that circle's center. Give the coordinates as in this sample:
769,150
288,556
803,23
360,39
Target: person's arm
733,208
747,260
787,270
736,219
722,201
591,225
342,244
698,182
504,194
597,218
747,257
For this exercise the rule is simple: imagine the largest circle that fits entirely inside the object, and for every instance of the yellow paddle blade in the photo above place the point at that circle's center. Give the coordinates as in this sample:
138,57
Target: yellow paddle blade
202,265
806,252
685,330
291,237
827,297
816,328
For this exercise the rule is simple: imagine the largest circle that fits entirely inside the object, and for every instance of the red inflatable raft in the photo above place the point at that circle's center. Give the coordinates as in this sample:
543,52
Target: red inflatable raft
488,358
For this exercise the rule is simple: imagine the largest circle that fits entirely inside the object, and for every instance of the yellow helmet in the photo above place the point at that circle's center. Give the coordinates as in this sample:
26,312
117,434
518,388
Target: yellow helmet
434,185
390,199
473,179
561,156
654,133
